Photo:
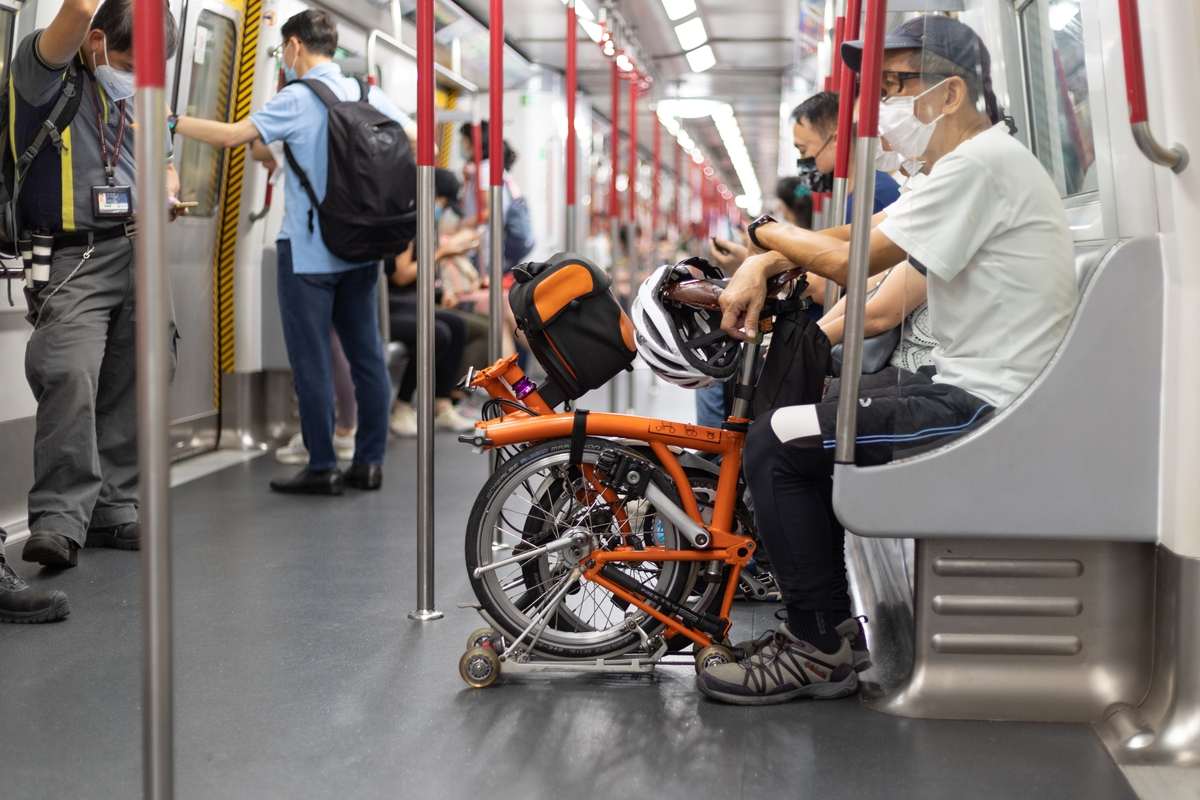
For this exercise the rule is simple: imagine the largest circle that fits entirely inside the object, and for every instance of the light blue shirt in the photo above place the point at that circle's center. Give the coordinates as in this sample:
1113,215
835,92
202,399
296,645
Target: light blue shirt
297,117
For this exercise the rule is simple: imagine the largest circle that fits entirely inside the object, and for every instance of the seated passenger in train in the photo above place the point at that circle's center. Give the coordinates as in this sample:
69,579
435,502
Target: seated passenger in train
814,134
318,291
450,329
988,230
77,206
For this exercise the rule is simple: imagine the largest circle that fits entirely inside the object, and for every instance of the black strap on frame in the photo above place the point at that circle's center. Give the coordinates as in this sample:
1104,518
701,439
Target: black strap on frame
578,439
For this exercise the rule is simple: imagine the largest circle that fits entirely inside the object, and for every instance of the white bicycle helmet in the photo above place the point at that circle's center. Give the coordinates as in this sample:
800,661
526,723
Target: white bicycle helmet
682,345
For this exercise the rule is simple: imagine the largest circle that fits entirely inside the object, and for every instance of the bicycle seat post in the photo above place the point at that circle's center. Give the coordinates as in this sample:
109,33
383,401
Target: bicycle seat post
743,394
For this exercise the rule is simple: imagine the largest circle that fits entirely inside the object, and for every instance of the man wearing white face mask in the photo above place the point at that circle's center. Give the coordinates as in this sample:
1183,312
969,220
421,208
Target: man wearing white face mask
77,205
988,229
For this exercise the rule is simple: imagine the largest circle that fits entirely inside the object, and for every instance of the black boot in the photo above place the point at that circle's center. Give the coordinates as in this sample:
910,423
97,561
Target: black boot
306,481
20,603
51,550
367,477
127,536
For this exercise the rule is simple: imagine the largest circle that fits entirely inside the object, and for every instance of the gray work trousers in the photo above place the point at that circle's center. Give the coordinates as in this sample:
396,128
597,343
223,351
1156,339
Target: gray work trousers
80,365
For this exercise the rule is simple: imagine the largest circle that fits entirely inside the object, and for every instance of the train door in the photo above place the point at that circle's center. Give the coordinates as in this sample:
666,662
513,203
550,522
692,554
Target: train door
206,70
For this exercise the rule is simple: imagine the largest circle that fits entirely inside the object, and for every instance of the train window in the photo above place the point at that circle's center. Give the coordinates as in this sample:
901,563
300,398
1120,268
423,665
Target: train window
211,82
1058,101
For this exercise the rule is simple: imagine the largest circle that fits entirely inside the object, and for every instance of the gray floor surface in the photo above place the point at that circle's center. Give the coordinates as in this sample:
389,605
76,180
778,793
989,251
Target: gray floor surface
299,676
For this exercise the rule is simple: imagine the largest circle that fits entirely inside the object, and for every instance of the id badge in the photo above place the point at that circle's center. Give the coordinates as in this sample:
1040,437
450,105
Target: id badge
112,202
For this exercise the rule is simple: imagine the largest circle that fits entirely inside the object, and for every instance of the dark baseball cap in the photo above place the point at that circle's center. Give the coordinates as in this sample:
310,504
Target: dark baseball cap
943,36
448,187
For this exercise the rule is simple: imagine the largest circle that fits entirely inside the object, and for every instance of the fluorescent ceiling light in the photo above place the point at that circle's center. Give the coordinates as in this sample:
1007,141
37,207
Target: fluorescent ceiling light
702,58
691,34
691,108
678,9
697,156
623,63
1062,14
592,29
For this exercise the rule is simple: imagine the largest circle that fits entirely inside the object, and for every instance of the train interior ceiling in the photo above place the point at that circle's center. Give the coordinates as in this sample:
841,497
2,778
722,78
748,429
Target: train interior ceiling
1031,589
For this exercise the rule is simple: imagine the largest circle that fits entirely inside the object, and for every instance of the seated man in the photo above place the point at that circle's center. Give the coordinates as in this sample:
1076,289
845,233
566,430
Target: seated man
988,229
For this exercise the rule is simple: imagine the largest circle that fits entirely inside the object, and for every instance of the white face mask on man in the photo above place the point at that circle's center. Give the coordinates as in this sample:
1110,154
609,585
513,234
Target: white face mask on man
905,133
117,83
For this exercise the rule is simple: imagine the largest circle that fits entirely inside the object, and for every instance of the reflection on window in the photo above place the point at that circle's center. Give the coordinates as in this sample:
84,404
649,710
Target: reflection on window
211,81
1060,111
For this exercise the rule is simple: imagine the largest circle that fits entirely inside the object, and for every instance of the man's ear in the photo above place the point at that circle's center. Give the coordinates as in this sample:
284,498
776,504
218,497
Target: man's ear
956,95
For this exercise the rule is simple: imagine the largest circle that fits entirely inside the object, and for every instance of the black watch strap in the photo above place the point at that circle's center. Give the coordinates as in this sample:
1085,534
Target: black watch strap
752,230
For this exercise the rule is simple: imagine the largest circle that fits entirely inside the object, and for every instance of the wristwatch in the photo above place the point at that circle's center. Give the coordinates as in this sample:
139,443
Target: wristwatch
172,121
754,226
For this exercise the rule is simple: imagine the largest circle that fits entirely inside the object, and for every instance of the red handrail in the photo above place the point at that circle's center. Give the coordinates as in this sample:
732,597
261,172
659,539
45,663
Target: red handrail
572,74
425,132
872,63
496,94
614,201
633,150
841,167
655,189
1176,156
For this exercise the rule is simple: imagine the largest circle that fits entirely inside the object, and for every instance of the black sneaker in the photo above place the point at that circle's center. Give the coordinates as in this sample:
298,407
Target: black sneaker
22,604
784,669
52,550
127,536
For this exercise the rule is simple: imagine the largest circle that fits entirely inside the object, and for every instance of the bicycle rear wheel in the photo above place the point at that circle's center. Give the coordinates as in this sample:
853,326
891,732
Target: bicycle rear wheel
536,500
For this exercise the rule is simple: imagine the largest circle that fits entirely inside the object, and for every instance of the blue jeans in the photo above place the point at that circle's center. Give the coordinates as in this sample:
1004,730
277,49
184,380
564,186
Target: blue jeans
710,405
347,301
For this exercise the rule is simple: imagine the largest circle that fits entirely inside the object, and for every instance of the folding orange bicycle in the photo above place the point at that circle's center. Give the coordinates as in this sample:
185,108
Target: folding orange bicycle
601,545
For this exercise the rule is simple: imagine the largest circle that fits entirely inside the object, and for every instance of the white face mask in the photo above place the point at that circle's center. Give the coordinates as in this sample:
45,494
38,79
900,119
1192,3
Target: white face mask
906,135
117,83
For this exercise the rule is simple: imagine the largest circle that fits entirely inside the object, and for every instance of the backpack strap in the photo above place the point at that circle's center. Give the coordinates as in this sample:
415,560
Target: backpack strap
364,91
329,100
305,183
321,90
59,118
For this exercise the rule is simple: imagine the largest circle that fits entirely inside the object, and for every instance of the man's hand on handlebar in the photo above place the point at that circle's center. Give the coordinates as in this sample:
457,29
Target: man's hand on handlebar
742,300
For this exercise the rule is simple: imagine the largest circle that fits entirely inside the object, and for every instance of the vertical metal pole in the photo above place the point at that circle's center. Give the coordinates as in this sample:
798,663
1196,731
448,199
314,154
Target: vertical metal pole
656,187
153,297
426,239
572,144
860,234
614,207
496,170
632,265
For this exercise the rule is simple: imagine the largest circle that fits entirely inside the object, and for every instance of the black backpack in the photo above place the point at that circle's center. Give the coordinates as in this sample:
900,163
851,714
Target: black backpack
797,361
369,211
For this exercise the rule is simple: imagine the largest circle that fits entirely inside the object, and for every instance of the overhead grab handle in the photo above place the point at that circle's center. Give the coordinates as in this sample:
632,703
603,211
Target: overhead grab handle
1176,156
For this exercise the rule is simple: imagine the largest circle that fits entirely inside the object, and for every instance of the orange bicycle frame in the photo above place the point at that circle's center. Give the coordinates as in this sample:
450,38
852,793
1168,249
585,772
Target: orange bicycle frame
726,546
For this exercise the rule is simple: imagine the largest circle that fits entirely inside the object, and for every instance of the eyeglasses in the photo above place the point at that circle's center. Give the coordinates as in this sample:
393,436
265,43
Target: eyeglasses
891,83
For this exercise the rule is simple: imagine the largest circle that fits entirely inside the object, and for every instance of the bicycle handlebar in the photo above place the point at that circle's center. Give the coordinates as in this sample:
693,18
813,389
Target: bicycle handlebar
707,294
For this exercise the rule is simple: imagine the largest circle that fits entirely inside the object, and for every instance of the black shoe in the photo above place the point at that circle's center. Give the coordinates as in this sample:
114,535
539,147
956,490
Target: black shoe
367,477
127,536
327,481
21,603
51,550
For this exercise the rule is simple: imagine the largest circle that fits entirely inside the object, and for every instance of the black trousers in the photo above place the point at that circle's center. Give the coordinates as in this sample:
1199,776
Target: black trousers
450,337
789,469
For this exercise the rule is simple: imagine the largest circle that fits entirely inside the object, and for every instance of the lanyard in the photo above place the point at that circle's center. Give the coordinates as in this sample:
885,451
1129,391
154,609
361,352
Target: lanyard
109,158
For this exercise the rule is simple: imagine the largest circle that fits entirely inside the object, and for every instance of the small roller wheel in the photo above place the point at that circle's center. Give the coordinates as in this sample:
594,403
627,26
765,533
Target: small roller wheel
479,667
712,655
483,637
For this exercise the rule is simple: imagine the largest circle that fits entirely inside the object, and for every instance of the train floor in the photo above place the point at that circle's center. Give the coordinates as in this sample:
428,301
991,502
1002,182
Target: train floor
298,675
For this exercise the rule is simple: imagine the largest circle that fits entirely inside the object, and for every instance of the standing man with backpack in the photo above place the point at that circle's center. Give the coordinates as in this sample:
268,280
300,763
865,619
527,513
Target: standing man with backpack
349,160
70,195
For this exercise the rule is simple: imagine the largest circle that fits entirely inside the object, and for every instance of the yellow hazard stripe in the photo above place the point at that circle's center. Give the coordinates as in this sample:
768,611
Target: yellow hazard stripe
446,98
227,233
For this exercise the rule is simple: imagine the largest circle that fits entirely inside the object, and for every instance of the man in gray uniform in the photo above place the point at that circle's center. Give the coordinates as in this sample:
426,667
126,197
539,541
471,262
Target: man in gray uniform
78,202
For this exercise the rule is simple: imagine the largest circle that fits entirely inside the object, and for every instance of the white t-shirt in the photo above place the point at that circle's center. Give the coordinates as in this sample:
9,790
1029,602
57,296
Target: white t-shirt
990,230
